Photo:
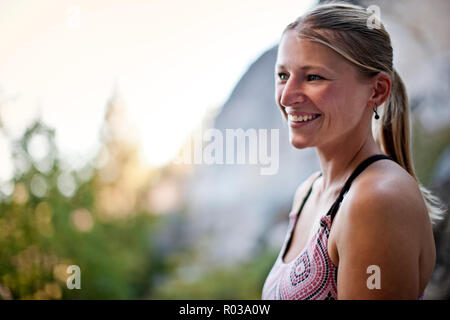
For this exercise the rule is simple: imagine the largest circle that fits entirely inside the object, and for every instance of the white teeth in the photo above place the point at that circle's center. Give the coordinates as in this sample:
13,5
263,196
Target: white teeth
301,118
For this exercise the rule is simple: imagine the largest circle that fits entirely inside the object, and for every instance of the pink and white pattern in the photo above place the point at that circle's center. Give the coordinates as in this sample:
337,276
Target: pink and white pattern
310,276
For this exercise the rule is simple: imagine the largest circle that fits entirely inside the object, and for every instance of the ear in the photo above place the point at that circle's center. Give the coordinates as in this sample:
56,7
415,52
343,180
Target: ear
381,88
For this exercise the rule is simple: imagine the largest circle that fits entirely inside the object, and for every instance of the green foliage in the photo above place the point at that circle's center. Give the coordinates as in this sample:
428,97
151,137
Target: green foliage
243,281
38,239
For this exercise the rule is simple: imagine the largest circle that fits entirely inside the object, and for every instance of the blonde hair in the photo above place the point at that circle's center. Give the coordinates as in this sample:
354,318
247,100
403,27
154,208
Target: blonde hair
344,28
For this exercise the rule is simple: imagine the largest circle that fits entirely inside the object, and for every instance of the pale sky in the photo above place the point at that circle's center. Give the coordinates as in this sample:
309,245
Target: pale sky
172,61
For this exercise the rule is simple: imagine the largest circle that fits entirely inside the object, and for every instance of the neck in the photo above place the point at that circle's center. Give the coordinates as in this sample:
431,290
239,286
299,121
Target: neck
338,160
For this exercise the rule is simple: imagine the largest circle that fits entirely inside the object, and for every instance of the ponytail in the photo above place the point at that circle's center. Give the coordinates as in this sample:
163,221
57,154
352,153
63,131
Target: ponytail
393,136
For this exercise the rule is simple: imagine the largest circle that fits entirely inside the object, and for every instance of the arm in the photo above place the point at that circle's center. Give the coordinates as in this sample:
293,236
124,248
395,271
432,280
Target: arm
380,227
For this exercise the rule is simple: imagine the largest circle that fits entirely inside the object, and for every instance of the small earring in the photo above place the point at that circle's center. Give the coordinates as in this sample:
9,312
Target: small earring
376,113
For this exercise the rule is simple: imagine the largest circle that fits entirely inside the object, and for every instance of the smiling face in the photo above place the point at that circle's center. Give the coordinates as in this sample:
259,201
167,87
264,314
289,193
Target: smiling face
314,82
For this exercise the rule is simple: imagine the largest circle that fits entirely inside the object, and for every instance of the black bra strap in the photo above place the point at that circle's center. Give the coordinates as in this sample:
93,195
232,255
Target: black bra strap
360,168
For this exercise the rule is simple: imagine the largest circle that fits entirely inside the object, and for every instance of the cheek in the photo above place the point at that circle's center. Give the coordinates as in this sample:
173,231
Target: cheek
338,102
332,101
337,98
326,98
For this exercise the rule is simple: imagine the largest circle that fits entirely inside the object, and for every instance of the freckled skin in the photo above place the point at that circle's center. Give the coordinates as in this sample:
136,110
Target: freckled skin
339,94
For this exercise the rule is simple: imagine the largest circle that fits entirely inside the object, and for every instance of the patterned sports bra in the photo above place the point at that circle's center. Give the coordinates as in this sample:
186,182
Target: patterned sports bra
311,275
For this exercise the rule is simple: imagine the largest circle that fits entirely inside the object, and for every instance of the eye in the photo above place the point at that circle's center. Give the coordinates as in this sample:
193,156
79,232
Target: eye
313,77
282,76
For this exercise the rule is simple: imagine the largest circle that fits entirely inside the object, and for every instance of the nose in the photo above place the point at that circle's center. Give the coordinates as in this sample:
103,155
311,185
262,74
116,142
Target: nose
292,94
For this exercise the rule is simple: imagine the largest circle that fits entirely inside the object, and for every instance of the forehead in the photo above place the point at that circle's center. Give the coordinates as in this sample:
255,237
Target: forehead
294,52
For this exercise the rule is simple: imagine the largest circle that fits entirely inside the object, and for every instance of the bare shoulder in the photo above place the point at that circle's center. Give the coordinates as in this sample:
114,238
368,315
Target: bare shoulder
383,221
387,193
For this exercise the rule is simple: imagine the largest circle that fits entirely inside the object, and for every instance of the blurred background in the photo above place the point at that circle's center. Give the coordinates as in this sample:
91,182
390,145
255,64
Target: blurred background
99,98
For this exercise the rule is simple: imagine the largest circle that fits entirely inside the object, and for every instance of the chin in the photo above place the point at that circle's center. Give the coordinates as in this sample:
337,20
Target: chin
300,143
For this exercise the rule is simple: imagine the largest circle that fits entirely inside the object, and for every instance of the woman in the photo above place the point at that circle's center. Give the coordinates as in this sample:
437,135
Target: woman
364,231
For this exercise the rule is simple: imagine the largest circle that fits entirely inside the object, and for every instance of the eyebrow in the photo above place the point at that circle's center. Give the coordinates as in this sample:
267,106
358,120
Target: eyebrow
306,67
